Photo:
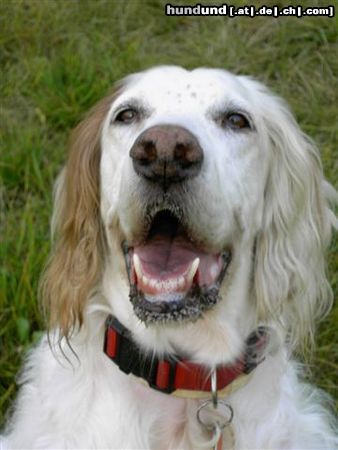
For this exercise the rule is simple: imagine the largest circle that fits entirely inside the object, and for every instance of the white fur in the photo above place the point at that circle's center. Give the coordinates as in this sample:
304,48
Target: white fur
262,187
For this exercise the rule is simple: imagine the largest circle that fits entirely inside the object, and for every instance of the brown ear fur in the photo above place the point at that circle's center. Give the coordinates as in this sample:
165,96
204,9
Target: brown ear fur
76,263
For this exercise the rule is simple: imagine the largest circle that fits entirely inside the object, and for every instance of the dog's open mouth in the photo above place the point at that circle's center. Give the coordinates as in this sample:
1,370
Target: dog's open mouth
171,278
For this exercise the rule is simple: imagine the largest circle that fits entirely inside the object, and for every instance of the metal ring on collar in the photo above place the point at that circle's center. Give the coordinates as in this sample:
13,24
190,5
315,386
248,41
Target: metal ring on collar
210,426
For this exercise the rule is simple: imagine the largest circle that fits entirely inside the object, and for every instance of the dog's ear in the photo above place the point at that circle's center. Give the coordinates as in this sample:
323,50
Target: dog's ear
76,262
290,280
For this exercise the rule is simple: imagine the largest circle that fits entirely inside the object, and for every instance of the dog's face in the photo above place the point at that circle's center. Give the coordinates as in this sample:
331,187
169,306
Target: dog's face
196,203
183,171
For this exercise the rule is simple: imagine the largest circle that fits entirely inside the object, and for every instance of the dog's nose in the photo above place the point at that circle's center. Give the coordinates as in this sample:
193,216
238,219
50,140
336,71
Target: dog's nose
166,154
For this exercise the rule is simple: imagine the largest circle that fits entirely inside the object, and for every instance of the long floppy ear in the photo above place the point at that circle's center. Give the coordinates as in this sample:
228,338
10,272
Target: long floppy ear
290,280
76,262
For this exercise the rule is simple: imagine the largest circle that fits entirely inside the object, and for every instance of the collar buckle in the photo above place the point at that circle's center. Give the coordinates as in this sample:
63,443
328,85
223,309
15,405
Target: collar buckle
120,347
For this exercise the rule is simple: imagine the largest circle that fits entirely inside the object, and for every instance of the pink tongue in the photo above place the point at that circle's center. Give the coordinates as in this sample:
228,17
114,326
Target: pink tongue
164,257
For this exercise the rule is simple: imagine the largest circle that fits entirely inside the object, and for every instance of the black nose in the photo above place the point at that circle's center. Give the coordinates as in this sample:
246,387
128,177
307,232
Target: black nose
166,154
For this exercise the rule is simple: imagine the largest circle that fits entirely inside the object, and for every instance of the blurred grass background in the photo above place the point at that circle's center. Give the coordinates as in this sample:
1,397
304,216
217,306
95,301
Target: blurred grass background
58,57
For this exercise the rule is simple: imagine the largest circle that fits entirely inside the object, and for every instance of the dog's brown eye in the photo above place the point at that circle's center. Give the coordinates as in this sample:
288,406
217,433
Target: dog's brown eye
236,121
126,116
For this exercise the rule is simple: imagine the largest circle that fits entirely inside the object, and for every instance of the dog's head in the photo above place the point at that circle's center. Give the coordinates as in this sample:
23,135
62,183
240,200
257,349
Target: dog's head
194,203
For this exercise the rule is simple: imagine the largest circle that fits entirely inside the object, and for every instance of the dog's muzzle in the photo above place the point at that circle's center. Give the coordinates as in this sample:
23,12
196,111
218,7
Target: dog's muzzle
171,275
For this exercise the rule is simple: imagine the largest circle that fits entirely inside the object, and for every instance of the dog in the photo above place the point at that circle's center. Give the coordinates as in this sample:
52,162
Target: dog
189,227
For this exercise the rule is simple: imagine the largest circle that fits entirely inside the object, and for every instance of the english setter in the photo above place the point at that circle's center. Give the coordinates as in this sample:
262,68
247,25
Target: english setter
190,224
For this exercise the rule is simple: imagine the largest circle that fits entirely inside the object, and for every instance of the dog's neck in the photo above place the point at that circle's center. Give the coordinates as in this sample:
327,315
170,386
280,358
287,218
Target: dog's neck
177,376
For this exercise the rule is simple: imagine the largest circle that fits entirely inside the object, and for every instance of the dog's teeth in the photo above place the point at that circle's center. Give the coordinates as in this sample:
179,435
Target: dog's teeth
137,266
145,280
172,284
153,283
181,282
193,270
165,285
169,285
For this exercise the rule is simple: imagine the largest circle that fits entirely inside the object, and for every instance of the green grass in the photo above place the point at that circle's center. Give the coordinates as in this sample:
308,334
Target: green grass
59,57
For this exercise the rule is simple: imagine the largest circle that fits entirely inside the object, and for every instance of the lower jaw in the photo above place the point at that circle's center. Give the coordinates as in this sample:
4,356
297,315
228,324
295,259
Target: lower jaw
184,307
190,307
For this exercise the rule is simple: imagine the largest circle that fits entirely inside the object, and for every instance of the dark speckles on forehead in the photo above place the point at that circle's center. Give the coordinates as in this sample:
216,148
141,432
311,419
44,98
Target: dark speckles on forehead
177,95
182,93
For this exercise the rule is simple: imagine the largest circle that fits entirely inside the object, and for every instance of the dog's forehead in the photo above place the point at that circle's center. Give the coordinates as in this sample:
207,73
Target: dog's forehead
173,84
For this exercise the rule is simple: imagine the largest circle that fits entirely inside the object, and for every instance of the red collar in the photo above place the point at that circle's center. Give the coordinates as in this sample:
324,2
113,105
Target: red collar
172,374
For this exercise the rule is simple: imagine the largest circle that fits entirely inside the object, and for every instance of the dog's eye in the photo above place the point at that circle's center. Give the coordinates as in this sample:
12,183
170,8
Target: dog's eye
127,115
235,121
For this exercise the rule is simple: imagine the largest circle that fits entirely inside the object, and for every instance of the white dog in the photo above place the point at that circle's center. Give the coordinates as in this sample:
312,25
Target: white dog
190,226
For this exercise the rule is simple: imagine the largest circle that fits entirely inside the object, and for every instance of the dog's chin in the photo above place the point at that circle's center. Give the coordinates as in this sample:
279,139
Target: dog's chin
173,279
